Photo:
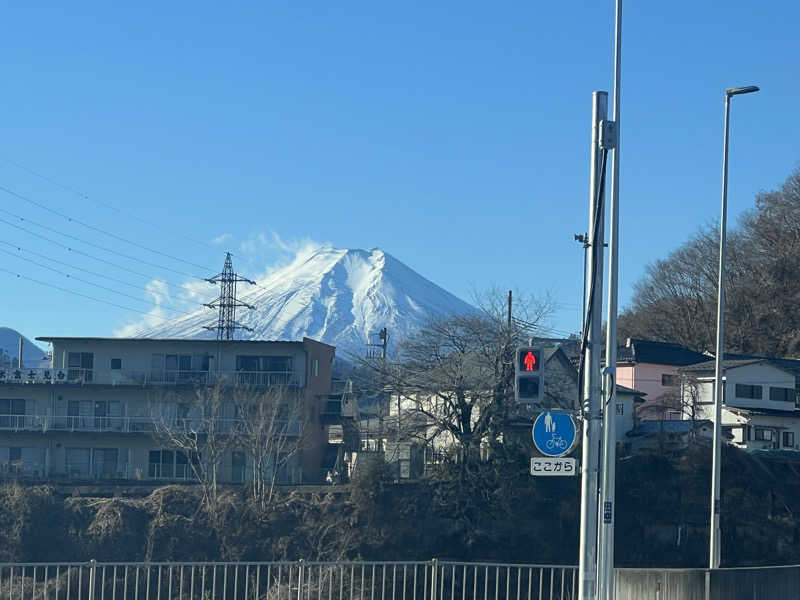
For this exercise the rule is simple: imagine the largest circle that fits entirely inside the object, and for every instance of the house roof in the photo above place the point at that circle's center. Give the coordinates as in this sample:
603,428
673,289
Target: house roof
557,353
786,364
658,353
627,390
767,412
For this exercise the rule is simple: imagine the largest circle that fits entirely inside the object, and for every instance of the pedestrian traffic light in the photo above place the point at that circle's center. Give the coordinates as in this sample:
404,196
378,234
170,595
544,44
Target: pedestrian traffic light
528,375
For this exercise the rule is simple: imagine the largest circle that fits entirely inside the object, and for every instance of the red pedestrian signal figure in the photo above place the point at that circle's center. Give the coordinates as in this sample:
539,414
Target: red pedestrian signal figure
528,374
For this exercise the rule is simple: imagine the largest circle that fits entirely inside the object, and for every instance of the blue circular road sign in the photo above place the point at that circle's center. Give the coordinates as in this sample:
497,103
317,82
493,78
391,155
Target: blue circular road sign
554,433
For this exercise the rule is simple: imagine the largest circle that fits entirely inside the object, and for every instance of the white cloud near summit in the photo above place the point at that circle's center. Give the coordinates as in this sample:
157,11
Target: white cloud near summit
256,257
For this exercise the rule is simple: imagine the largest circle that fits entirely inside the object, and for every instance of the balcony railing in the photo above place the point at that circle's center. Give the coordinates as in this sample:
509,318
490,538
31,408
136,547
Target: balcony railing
141,424
144,378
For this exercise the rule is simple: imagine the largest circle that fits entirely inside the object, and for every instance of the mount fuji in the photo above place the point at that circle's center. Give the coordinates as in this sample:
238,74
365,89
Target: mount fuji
338,296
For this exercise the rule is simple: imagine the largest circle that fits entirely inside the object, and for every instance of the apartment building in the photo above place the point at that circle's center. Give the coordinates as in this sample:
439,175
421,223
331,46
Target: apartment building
99,411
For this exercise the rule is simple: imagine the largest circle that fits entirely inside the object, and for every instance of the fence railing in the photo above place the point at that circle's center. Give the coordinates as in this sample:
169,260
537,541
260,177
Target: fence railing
140,424
429,580
168,377
422,580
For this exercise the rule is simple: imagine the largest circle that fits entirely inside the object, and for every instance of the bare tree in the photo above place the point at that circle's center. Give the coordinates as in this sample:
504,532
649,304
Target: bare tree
199,427
270,432
453,379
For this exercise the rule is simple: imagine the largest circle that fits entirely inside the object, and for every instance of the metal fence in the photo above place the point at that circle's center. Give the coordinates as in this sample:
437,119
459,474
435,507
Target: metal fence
429,580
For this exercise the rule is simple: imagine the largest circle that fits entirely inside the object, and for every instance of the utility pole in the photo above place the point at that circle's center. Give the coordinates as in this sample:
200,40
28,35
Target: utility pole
590,361
605,559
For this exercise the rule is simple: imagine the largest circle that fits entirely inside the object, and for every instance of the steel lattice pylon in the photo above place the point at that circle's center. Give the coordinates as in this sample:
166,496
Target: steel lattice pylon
227,303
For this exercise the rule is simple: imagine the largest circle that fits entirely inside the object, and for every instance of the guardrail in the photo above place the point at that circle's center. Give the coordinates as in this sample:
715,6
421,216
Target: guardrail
301,580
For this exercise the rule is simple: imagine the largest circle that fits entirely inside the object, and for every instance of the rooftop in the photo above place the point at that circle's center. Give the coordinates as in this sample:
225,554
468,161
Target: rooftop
767,412
658,353
173,340
785,364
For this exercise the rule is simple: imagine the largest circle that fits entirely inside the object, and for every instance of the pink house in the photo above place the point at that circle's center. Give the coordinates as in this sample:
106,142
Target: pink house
651,367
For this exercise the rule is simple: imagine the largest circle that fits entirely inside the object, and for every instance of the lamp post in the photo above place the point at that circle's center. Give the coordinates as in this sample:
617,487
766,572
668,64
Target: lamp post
714,544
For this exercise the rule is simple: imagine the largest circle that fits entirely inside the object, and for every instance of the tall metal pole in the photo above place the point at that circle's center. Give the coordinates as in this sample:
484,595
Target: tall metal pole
605,560
592,401
716,466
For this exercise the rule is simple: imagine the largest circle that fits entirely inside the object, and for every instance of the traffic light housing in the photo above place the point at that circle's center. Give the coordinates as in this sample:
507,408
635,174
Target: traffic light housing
528,375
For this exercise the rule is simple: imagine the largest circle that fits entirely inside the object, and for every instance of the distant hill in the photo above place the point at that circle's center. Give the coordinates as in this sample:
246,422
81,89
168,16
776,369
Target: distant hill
335,295
32,354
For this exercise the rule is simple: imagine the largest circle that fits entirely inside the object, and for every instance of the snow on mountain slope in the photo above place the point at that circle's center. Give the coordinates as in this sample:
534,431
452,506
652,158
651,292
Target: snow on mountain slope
338,296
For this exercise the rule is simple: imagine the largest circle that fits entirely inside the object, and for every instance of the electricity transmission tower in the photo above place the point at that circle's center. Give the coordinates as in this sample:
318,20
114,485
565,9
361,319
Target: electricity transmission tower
227,303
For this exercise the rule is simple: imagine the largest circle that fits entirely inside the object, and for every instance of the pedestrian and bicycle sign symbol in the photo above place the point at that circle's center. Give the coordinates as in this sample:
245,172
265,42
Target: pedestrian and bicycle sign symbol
554,433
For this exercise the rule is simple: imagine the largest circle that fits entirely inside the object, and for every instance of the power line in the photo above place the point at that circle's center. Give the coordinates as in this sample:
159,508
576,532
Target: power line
77,268
84,196
87,255
68,291
97,285
99,247
97,229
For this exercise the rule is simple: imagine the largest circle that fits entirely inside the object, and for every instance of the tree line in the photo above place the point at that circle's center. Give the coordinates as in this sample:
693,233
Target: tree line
676,298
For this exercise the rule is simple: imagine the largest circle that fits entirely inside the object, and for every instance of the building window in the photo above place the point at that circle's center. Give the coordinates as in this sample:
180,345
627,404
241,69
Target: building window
161,464
781,394
763,435
669,380
171,464
14,454
237,467
116,364
315,367
369,445
263,370
620,408
79,366
104,463
77,462
171,368
12,412
788,439
749,391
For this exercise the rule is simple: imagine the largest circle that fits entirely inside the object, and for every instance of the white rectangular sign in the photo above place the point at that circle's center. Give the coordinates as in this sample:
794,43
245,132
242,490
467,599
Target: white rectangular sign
553,466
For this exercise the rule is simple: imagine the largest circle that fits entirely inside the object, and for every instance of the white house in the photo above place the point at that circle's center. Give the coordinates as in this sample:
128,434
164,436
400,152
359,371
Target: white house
759,410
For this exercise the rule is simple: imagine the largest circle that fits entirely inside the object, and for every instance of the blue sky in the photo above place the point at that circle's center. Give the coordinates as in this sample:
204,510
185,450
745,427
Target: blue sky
452,135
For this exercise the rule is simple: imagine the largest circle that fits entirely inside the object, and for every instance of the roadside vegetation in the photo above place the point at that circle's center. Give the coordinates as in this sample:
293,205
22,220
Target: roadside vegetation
498,512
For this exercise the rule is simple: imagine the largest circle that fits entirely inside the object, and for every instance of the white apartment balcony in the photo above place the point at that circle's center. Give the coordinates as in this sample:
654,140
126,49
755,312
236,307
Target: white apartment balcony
81,423
74,376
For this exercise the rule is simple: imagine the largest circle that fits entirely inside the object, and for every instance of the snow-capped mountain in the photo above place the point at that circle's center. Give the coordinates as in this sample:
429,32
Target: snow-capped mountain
338,296
32,355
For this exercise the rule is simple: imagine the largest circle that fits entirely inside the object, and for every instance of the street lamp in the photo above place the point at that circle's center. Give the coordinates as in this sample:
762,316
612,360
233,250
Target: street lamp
714,545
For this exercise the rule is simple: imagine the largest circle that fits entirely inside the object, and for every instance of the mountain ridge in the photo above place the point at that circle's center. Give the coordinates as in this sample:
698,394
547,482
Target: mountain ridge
336,295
